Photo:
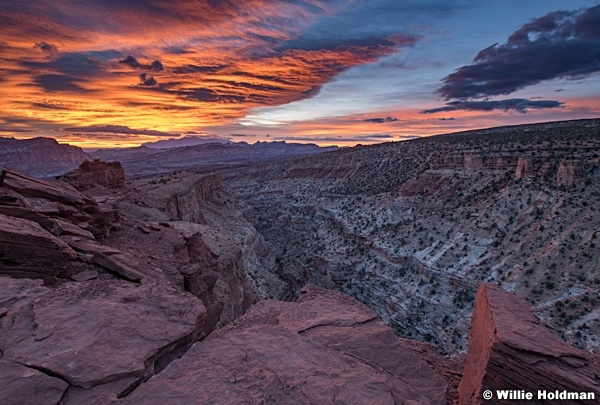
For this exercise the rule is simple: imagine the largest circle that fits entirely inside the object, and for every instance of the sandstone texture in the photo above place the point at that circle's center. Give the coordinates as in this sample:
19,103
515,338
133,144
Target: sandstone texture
510,349
27,250
96,172
314,351
24,385
95,332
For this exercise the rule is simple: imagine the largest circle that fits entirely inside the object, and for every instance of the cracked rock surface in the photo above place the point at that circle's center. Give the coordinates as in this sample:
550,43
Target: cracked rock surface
326,348
94,332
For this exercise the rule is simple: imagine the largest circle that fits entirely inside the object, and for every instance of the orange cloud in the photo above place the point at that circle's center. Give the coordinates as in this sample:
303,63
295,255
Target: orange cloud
167,65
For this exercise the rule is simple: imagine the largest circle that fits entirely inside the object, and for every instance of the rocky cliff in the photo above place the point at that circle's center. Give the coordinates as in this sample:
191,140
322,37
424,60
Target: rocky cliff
201,199
43,157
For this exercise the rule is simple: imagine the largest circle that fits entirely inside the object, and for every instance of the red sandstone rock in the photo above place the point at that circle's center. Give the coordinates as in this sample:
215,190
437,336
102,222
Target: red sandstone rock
40,156
214,272
509,349
94,332
27,250
324,349
96,172
51,190
24,385
524,167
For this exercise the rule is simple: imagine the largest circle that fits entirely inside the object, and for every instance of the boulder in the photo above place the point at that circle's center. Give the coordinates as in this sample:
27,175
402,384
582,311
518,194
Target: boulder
509,349
325,349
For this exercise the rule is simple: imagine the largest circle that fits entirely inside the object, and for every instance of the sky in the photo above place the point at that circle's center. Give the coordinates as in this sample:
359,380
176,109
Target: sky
120,73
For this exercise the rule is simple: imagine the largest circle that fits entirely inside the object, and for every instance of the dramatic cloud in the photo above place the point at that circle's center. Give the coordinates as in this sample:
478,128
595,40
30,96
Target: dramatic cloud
381,120
340,138
14,129
147,80
517,104
46,47
155,66
561,44
118,129
59,83
171,66
187,69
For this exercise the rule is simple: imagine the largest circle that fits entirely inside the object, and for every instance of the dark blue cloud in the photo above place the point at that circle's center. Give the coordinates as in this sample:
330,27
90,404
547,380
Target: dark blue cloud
118,129
561,44
517,104
155,66
46,47
59,83
381,120
147,80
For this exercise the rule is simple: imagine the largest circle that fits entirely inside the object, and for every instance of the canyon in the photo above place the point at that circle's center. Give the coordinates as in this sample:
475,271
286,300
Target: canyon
412,228
419,272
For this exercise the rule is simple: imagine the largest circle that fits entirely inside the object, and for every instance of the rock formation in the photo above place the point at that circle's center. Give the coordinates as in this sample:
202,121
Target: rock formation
509,349
201,199
524,167
569,173
96,172
150,161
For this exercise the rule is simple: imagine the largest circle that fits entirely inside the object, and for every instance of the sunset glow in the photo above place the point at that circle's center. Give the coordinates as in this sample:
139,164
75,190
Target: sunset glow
117,74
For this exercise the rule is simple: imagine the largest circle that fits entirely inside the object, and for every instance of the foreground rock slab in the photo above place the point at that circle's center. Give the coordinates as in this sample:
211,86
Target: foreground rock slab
509,349
309,352
94,332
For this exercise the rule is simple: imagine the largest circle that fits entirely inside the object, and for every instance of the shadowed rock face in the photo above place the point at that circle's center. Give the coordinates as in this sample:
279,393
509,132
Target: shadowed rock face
326,348
27,250
510,349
